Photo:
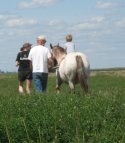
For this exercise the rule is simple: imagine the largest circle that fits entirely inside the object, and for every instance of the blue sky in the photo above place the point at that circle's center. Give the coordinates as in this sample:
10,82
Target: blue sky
97,26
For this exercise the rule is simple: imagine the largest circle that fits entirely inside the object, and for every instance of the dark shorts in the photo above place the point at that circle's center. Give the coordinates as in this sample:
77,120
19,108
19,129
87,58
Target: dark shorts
23,75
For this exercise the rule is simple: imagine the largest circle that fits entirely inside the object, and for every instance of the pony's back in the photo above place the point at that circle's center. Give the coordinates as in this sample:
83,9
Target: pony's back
68,67
70,61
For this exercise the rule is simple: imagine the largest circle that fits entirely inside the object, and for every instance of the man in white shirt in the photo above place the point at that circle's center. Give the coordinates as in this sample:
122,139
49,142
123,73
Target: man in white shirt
39,56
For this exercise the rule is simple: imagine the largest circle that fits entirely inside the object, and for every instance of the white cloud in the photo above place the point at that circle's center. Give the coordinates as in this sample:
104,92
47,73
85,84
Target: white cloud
55,23
4,17
97,19
13,21
121,23
85,25
92,23
105,5
36,3
20,22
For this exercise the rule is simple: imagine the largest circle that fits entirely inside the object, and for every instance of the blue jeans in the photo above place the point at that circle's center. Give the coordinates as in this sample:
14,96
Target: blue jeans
40,81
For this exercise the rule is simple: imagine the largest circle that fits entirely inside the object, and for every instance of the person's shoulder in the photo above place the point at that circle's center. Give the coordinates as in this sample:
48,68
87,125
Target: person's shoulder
66,44
73,43
69,43
33,48
46,48
19,53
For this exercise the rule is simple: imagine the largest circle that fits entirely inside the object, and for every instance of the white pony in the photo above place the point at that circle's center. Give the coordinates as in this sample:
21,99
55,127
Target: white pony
73,68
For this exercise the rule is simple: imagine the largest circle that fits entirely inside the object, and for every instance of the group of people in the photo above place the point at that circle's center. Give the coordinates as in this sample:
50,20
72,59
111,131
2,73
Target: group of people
33,64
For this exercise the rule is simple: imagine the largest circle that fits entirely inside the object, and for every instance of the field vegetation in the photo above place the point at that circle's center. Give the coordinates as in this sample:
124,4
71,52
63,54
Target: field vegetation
64,118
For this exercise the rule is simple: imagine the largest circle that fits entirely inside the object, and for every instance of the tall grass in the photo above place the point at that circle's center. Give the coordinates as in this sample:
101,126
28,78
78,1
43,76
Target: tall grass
64,118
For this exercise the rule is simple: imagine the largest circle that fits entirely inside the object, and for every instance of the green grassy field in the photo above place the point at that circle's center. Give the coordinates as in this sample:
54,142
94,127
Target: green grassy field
64,118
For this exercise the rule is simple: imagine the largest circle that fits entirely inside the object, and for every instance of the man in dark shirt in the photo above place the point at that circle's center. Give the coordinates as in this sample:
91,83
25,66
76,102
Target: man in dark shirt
24,68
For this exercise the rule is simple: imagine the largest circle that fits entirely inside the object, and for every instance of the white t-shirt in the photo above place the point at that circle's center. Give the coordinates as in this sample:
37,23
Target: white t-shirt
69,47
39,56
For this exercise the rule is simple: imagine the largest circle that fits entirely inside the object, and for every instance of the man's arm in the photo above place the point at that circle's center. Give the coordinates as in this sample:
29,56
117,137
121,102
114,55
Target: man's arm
51,62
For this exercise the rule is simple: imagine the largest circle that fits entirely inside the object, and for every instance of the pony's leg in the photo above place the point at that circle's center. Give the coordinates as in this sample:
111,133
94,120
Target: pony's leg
58,86
85,87
72,86
58,82
57,89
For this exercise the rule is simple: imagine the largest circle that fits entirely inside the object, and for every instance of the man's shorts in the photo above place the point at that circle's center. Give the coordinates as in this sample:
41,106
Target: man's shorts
23,75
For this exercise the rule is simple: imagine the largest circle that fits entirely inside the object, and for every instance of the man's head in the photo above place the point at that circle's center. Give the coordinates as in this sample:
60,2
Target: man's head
41,40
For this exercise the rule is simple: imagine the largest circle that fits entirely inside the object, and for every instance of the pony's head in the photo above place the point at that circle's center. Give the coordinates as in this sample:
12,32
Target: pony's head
57,50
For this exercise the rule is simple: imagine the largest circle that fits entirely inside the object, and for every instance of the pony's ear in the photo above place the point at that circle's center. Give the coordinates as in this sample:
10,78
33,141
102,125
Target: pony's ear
51,46
58,44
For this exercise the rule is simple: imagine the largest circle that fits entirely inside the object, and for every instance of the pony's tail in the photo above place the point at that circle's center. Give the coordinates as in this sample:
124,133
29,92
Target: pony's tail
82,75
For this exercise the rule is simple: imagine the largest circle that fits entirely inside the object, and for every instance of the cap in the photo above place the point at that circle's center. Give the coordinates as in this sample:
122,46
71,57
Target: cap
25,45
41,37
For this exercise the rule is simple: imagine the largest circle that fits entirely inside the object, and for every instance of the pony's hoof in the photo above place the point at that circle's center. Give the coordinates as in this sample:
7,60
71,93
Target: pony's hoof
58,91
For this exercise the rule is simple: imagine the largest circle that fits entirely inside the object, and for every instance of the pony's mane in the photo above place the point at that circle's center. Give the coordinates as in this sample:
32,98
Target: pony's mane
58,49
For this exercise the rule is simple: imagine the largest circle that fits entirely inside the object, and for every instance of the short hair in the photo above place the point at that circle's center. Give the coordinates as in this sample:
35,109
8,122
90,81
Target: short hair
69,38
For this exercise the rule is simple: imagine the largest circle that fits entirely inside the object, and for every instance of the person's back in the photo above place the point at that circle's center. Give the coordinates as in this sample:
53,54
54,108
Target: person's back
39,55
24,68
69,46
23,60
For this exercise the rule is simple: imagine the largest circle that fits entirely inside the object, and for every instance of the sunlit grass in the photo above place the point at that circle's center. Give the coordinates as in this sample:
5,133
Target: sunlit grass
64,118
